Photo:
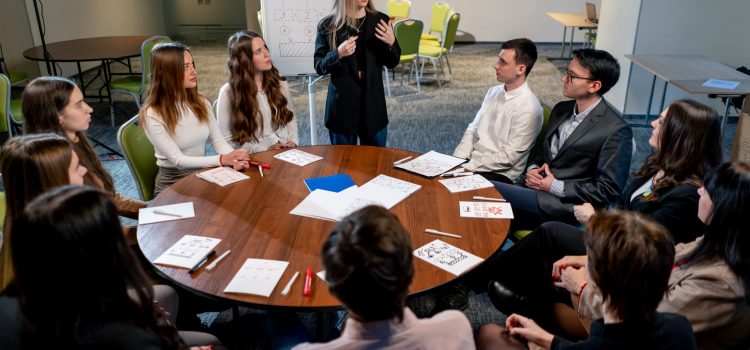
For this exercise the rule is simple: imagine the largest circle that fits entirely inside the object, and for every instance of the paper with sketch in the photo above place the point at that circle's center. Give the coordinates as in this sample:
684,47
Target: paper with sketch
257,277
447,257
222,176
721,84
486,210
188,251
394,184
466,183
431,164
165,213
297,157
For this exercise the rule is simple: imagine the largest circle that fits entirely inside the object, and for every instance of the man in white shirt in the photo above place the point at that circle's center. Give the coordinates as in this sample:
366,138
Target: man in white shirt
497,143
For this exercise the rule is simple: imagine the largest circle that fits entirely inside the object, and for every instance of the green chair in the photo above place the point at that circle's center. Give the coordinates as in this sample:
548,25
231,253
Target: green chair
437,20
140,156
538,145
437,54
407,34
434,40
136,85
398,8
15,77
4,103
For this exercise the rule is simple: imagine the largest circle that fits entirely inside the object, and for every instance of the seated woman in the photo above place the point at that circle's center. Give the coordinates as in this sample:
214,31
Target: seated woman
101,300
255,110
687,144
31,165
178,120
710,280
55,104
368,262
630,259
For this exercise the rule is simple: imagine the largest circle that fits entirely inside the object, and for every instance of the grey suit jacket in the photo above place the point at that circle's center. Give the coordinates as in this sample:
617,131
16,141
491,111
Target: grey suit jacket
593,162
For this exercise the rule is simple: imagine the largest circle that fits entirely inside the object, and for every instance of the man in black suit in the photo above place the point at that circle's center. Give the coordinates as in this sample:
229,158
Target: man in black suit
587,148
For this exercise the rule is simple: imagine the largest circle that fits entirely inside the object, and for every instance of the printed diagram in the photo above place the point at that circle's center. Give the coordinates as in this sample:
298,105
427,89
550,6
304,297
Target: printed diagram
394,184
190,247
296,22
428,167
297,157
466,183
442,253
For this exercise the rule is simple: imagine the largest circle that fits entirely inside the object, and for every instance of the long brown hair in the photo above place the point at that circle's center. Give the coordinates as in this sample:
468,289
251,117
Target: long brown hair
30,165
341,16
167,92
44,99
246,121
689,146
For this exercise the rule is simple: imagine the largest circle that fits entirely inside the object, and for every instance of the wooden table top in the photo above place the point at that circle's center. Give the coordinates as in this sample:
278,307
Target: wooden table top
252,219
572,19
90,49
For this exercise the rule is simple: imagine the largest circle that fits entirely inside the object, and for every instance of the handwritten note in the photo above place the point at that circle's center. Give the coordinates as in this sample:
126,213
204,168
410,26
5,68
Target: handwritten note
447,257
466,183
298,157
188,251
222,176
486,210
257,277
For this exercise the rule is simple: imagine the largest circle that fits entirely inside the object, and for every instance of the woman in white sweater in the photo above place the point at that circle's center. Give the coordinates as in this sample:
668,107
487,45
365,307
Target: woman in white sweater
178,120
255,111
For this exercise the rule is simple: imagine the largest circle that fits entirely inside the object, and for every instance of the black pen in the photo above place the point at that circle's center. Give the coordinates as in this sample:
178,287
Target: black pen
203,261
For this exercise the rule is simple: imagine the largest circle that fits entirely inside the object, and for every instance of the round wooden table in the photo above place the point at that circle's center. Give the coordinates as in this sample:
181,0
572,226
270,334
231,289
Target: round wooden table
252,219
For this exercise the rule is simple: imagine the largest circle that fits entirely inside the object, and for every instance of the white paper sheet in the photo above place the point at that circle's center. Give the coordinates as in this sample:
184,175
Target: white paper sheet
486,210
315,205
431,164
165,213
222,176
297,157
466,183
188,251
447,257
257,277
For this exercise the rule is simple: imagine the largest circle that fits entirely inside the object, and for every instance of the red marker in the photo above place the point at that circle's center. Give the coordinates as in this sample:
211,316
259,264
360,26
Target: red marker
308,282
263,165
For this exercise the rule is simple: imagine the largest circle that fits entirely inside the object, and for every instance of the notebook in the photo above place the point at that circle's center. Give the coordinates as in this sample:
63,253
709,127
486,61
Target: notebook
257,277
333,183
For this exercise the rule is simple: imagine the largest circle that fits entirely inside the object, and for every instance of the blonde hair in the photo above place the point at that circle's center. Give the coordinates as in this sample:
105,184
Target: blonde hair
342,14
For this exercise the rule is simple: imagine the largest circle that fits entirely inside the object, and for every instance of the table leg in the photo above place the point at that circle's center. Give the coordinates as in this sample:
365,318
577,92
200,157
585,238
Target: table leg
562,48
650,100
726,113
80,78
663,96
572,32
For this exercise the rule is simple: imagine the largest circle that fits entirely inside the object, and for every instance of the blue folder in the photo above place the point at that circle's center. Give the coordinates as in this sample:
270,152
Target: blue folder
333,183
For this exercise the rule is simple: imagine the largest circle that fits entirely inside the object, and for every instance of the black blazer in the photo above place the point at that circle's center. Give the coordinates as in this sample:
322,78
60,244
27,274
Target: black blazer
343,104
593,162
676,208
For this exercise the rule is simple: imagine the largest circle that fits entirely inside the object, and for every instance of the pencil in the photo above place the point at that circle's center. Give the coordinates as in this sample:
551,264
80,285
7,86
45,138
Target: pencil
436,232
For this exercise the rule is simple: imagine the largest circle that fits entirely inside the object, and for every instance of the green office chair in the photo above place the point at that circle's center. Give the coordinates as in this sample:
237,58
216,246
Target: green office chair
407,34
140,156
136,85
538,145
4,103
437,21
398,8
434,40
439,53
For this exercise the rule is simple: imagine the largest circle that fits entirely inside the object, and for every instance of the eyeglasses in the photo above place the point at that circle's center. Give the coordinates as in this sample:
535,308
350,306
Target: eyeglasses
571,76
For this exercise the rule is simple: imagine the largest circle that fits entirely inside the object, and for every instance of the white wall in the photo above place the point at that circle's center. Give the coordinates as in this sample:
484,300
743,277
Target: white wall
715,29
616,35
75,19
209,19
16,37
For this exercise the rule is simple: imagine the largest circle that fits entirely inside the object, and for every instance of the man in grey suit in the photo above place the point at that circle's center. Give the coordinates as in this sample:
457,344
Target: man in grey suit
586,152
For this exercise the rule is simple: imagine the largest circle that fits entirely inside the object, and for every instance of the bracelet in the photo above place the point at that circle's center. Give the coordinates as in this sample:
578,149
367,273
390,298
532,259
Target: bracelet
583,286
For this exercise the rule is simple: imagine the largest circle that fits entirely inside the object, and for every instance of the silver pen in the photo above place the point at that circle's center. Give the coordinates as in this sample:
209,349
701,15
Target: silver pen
441,233
289,284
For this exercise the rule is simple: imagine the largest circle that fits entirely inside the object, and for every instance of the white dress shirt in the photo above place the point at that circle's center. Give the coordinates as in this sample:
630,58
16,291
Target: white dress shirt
503,132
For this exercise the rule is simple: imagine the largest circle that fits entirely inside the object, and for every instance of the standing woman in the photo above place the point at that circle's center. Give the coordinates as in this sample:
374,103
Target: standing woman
353,44
178,120
255,110
54,104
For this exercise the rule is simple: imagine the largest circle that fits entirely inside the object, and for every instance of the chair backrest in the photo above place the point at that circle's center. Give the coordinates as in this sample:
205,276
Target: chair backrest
140,156
260,21
451,28
4,103
398,8
146,48
439,15
408,32
540,138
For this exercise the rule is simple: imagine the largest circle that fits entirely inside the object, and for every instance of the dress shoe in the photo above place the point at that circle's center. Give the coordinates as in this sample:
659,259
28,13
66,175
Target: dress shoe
506,300
455,298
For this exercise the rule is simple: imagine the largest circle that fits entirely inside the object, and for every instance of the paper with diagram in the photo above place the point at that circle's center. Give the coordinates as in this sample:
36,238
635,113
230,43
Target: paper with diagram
431,164
447,257
188,251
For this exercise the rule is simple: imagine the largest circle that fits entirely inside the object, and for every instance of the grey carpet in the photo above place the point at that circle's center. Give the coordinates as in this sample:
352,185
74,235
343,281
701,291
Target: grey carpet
431,120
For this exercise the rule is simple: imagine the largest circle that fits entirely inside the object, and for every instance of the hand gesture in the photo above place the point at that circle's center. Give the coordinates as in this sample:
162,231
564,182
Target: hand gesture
583,212
575,261
572,279
348,47
384,32
235,156
535,336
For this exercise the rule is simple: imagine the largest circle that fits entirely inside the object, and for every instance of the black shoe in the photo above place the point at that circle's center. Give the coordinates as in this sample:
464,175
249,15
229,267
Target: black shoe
506,300
455,298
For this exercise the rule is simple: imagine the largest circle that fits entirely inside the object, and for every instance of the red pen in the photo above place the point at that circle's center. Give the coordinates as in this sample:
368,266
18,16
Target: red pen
308,282
263,165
